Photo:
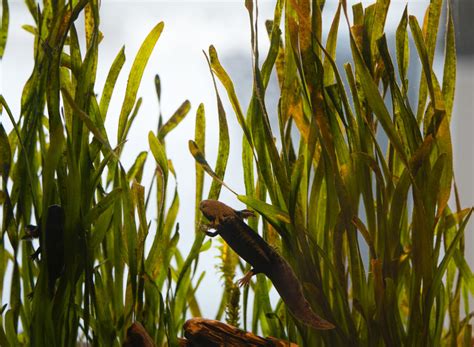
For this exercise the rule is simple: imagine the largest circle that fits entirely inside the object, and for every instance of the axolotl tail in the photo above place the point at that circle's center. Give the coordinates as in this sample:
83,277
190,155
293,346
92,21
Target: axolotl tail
291,292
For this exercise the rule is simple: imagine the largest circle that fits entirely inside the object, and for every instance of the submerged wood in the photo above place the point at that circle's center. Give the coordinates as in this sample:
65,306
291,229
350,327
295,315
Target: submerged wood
209,332
137,336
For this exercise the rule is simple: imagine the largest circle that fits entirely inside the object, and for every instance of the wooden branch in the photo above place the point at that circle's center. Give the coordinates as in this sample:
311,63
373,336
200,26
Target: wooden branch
209,333
137,336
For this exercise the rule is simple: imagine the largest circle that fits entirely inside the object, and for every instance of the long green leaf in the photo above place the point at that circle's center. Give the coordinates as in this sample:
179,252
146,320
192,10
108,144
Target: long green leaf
5,155
110,82
272,213
159,153
403,50
331,45
449,72
175,119
375,100
199,157
229,86
135,77
4,27
200,141
441,269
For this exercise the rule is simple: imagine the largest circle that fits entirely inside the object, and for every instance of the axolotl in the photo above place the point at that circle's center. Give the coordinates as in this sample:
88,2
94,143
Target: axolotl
249,245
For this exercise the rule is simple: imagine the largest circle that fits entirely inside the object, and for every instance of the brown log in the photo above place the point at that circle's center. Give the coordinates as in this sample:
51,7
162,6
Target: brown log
137,336
210,333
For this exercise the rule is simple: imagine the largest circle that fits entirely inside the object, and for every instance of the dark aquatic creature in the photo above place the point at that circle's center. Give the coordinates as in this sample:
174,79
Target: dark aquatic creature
249,245
54,243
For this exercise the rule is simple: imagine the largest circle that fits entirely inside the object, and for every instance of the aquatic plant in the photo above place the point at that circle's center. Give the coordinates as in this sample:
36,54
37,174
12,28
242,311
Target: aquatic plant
351,177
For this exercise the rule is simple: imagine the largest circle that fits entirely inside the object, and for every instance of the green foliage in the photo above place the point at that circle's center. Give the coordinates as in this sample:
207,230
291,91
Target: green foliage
4,26
324,196
63,156
335,189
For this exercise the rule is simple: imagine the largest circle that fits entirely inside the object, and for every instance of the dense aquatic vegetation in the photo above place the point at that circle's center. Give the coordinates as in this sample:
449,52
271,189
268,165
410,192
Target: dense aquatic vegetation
357,201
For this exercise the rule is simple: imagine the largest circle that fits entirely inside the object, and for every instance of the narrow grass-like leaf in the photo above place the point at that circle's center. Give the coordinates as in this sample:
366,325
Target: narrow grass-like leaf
87,121
377,30
136,171
430,26
171,215
4,27
5,155
229,86
175,119
437,121
159,153
331,44
449,72
411,132
132,117
224,141
403,50
200,141
441,269
135,77
15,294
375,100
89,23
10,329
295,191
269,326
367,237
3,335
464,269
272,213
110,82
275,39
433,86
102,205
130,236
199,157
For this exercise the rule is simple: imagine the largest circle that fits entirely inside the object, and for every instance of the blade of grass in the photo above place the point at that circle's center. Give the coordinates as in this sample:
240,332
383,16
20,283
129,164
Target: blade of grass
135,77
4,27
109,85
175,119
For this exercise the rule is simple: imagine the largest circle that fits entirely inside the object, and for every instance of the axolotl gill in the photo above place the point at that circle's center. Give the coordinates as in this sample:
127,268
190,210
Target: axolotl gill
250,246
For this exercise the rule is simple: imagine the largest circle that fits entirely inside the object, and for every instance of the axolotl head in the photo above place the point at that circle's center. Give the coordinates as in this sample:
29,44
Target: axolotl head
215,211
